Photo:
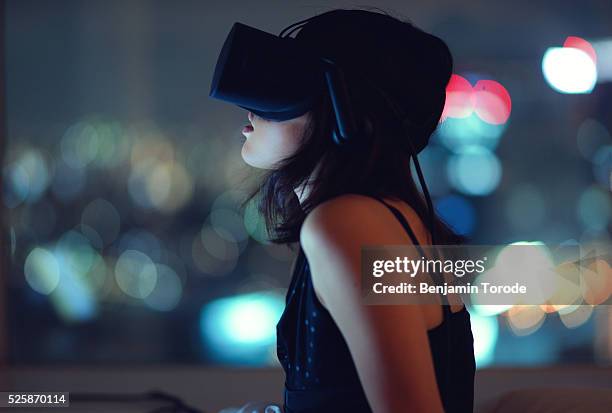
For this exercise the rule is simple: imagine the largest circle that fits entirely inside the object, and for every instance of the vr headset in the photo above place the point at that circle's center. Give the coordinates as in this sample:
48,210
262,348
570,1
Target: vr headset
276,79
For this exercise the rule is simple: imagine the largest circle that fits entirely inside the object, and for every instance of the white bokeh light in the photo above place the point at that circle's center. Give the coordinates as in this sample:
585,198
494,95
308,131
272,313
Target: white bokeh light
569,70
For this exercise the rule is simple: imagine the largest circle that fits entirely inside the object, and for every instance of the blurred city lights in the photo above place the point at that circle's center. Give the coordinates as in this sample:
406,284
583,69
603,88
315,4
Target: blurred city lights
102,217
492,102
595,208
602,166
26,178
136,274
525,319
254,223
569,70
591,136
458,212
242,328
458,134
165,186
595,282
579,315
169,186
16,185
220,243
224,220
459,103
488,99
581,44
525,207
79,145
485,331
80,276
113,143
42,271
489,310
167,292
532,266
603,50
214,254
68,182
143,241
430,160
474,171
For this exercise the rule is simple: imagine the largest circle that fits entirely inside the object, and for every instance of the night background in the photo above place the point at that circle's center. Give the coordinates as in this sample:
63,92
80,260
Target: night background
122,180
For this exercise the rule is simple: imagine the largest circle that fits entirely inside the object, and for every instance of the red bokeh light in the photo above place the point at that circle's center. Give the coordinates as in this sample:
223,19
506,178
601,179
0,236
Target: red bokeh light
459,102
492,102
580,43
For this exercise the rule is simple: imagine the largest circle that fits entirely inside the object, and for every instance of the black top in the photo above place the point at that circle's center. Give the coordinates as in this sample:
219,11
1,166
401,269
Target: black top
320,374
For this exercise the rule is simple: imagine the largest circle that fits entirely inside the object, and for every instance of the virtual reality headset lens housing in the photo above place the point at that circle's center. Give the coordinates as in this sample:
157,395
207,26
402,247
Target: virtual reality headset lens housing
268,75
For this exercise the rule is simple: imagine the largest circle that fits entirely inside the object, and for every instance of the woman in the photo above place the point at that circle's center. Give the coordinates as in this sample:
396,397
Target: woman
338,354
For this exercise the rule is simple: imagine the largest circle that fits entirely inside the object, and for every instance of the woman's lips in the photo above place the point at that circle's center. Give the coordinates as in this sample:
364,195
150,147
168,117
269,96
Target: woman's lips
247,130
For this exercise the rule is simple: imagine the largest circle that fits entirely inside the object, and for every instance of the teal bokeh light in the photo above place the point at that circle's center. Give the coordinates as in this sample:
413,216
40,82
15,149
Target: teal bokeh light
242,329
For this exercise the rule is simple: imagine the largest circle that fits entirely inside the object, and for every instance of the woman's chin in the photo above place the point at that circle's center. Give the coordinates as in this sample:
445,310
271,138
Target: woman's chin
254,161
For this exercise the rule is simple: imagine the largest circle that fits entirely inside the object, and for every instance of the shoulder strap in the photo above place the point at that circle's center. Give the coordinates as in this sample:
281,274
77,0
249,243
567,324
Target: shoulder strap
402,220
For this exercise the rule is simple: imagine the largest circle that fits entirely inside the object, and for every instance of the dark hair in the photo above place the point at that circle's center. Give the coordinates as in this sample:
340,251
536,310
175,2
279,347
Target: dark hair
377,165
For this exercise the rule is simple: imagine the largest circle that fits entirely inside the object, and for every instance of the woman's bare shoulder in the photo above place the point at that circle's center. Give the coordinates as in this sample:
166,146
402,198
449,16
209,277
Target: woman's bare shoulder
354,215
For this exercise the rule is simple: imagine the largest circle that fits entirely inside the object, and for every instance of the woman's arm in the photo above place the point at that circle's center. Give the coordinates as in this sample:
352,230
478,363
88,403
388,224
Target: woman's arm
389,344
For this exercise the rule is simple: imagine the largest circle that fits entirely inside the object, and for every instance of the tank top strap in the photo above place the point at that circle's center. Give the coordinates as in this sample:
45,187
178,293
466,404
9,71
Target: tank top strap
404,222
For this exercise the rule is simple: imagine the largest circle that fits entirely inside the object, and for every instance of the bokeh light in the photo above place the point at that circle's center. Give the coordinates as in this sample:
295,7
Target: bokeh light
165,186
214,254
485,330
254,222
167,292
581,44
602,166
459,134
579,315
26,178
80,276
525,319
141,240
242,328
79,145
431,159
135,274
459,103
458,212
595,208
569,70
42,271
474,171
492,102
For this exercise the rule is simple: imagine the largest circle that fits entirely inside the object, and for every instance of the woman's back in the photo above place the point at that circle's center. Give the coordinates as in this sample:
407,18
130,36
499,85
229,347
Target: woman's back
320,372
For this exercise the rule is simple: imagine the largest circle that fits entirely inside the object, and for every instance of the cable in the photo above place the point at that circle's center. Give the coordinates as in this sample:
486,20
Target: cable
408,126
